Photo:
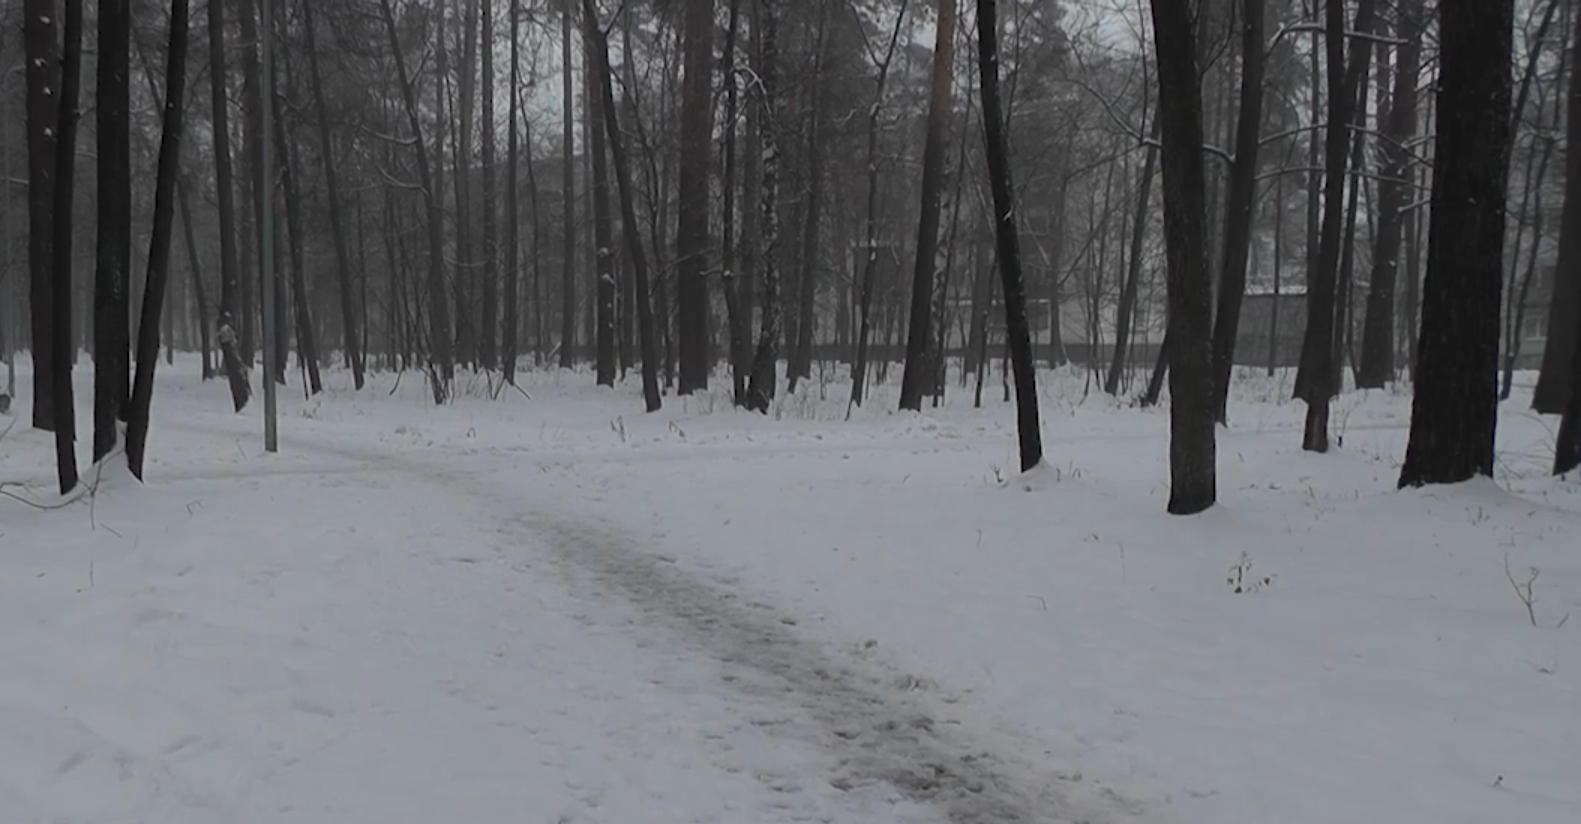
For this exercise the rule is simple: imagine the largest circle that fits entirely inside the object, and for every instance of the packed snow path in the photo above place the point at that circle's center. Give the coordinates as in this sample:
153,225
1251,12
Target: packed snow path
768,676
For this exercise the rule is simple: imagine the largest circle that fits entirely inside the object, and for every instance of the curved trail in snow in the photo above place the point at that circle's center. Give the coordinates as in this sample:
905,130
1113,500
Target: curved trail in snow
847,706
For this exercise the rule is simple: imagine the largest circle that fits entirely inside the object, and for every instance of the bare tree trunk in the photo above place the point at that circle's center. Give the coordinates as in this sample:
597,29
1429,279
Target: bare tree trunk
870,224
603,244
112,278
307,342
928,263
230,286
800,365
997,153
1567,448
195,267
466,253
488,332
567,195
1133,275
65,168
348,314
441,367
1455,411
41,50
253,144
166,190
1315,377
1378,341
1193,487
599,63
508,336
732,283
1240,201
691,238
765,364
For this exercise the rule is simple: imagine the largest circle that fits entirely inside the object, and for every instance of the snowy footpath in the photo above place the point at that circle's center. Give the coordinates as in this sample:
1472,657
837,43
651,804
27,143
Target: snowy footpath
560,610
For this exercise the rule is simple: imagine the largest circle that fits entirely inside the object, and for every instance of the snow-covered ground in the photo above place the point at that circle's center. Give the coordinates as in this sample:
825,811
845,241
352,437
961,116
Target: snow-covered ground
559,609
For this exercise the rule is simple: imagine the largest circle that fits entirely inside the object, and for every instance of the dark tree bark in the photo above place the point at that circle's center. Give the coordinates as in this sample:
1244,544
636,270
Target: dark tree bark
599,60
1455,411
1192,487
65,168
508,336
1315,377
1377,339
732,284
441,366
765,364
799,366
488,333
929,262
997,154
1239,202
254,143
567,195
691,235
1567,452
1555,380
166,190
307,339
1519,290
348,313
41,50
195,268
112,280
1133,276
605,286
230,288
870,221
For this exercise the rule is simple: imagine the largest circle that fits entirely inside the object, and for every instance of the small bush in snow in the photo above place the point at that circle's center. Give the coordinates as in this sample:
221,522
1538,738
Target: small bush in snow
1243,581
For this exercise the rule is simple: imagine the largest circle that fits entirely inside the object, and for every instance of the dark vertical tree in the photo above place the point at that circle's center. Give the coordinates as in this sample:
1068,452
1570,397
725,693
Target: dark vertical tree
605,287
800,361
1239,203
735,314
41,49
997,153
598,61
289,168
765,363
866,286
1567,452
348,311
1315,379
488,331
929,262
112,280
691,235
65,169
230,288
567,193
165,194
1555,379
508,337
253,144
1192,393
1454,414
441,366
466,253
1378,334
1133,275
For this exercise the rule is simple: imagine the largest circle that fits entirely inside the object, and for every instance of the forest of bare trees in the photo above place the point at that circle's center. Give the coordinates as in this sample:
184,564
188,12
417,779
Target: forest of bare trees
785,196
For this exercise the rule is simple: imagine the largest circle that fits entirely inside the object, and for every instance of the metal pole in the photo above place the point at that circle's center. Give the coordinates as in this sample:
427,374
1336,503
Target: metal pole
266,225
8,288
